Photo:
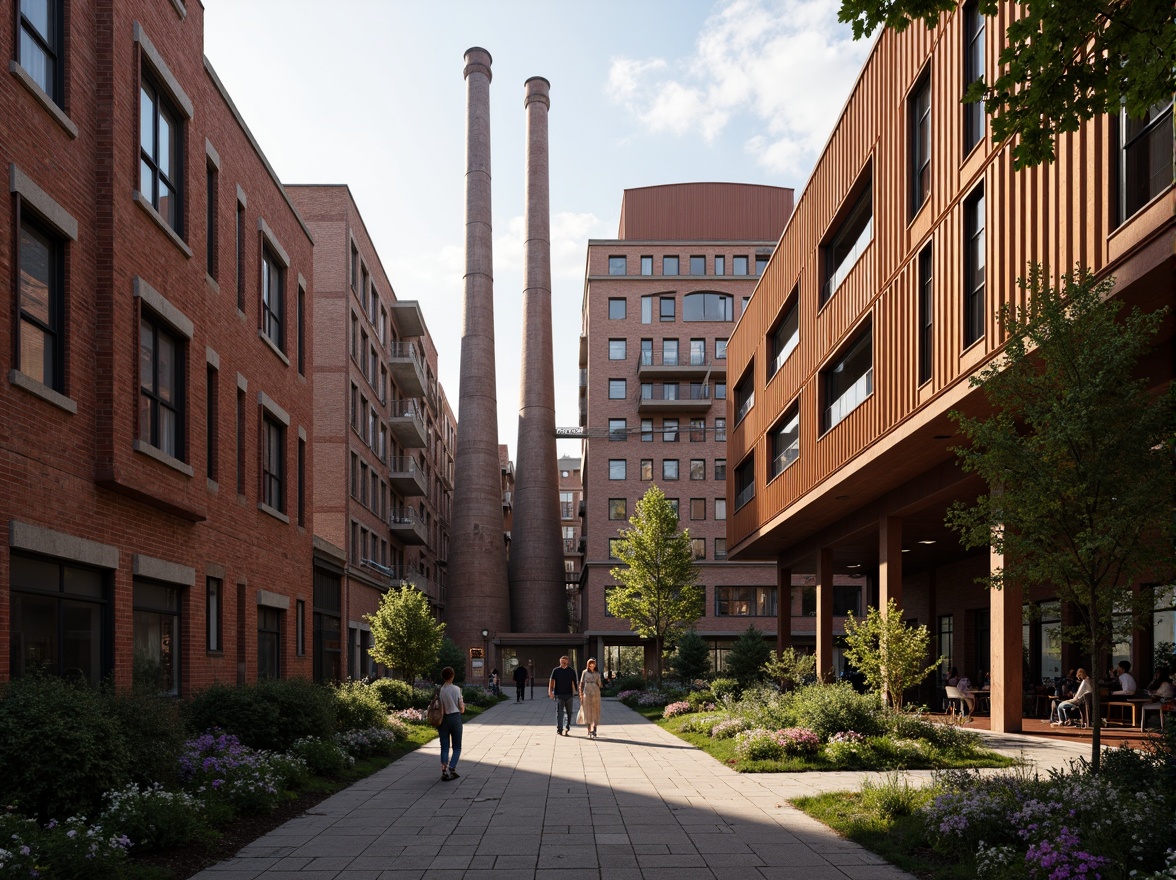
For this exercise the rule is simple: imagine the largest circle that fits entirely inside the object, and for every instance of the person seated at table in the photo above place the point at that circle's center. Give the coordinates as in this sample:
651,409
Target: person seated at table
969,698
1069,685
1161,686
1127,684
1066,708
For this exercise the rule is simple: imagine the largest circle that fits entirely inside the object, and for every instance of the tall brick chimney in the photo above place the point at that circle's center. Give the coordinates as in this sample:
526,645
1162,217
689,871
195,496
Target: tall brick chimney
479,595
537,597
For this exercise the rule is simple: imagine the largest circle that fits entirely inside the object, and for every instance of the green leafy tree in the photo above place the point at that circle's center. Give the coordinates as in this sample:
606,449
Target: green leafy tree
405,637
747,658
1060,63
1077,456
691,659
655,588
887,652
791,668
449,654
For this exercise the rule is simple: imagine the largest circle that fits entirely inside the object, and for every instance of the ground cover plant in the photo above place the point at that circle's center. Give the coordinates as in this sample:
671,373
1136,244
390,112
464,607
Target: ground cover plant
814,727
1114,824
115,807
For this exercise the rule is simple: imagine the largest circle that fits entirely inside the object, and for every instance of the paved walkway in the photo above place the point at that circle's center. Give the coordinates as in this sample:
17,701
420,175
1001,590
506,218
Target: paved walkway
635,803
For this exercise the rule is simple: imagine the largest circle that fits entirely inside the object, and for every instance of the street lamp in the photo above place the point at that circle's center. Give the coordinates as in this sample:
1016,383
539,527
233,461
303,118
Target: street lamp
486,656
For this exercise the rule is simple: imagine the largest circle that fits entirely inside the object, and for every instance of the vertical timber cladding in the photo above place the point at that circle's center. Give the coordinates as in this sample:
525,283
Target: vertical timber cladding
1057,214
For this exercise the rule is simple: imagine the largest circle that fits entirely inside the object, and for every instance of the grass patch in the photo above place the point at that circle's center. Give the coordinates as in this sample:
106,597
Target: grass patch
900,840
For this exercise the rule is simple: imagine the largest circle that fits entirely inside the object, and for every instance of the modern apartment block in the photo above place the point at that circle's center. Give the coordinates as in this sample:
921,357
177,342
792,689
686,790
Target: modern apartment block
660,302
881,301
571,512
385,440
156,453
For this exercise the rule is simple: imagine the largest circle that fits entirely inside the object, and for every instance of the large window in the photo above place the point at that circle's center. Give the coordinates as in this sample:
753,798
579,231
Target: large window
616,349
919,153
616,389
269,643
157,637
273,304
669,430
698,468
670,469
39,47
59,620
745,601
647,469
974,266
1146,156
326,640
707,307
744,481
273,464
849,241
721,469
616,309
616,468
849,381
744,395
616,266
785,334
567,505
161,166
785,440
973,70
618,430
161,387
42,306
617,509
214,600
926,315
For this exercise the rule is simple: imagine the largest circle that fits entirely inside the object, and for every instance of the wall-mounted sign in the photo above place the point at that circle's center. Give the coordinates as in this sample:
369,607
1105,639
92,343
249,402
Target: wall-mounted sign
476,653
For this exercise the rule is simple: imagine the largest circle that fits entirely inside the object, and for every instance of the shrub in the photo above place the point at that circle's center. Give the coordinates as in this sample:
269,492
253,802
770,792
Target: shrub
798,741
828,708
268,715
410,716
846,753
747,657
449,654
891,797
703,724
152,727
691,659
59,750
358,707
69,850
629,683
759,745
652,698
475,695
153,818
323,757
724,687
396,694
700,700
680,708
728,728
365,743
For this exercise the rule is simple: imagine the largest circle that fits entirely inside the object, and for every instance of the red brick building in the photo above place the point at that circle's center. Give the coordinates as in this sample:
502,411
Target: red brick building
155,411
385,439
882,300
660,301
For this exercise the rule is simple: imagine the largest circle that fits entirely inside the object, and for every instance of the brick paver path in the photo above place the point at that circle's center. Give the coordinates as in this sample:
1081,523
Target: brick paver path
635,803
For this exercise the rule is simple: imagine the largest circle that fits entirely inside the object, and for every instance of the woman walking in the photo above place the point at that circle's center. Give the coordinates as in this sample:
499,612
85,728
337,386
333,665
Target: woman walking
590,682
452,705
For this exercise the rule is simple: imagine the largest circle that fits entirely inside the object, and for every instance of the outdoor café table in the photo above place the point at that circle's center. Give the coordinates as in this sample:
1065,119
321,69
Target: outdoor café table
1119,701
983,701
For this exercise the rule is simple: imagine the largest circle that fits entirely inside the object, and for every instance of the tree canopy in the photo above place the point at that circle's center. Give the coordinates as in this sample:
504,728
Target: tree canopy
405,636
887,652
1077,456
1060,63
655,584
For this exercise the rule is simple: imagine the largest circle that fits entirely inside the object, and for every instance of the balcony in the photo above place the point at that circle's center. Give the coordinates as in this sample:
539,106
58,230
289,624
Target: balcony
406,423
406,478
669,397
406,314
405,525
507,500
654,365
407,370
573,546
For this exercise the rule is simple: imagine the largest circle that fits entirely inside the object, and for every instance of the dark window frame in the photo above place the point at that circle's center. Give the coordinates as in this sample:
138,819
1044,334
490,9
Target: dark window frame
716,307
975,265
152,433
161,104
51,45
620,301
1137,188
783,346
975,122
834,389
849,237
919,151
214,600
618,262
273,463
784,444
52,326
926,313
273,297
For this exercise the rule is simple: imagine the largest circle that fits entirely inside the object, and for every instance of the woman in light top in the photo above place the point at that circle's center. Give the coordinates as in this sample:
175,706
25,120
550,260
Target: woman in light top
1074,704
590,682
452,704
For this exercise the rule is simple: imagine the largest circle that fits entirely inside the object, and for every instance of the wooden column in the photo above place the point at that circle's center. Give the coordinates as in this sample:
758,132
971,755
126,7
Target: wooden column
783,609
1005,621
825,614
889,561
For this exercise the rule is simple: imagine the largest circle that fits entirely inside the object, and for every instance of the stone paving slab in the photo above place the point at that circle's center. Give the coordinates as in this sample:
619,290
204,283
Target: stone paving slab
635,803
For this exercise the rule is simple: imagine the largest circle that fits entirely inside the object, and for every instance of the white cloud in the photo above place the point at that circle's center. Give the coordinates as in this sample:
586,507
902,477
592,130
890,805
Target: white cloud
780,68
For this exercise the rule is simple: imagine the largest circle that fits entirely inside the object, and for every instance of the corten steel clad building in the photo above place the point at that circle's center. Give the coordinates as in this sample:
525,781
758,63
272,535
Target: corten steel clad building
880,302
155,410
660,301
385,438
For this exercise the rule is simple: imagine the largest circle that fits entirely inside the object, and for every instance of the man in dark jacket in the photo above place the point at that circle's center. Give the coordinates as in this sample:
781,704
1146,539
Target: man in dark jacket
561,687
520,677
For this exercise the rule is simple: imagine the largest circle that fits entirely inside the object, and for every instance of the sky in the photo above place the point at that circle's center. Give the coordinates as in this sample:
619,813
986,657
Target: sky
370,93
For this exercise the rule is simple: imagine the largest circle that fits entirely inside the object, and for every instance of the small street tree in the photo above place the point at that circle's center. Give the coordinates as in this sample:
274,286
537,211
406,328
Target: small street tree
691,660
405,636
1078,460
791,668
887,652
656,590
748,655
451,655
1059,63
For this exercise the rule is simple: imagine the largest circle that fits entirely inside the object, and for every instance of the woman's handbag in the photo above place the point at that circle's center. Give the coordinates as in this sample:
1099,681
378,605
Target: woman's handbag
435,714
580,715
